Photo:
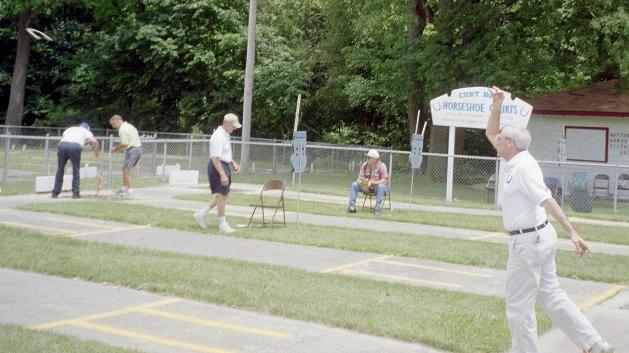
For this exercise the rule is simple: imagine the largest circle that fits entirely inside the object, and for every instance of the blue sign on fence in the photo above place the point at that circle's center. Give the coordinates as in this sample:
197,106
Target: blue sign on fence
417,145
298,158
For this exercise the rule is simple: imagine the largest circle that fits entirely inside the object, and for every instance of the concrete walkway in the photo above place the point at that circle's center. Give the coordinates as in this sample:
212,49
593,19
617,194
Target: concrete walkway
416,272
157,324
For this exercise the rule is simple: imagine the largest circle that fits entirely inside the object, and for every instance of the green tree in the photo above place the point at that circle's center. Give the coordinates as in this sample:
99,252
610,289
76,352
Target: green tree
21,14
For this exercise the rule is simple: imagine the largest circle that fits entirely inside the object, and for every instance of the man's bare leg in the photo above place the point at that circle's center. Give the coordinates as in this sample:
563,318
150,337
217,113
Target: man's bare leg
126,177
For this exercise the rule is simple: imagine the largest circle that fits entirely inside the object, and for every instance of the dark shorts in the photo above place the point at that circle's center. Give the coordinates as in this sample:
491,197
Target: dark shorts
132,156
215,178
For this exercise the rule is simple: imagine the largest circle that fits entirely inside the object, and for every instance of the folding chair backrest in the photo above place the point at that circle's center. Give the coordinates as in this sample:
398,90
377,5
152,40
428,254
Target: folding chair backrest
273,185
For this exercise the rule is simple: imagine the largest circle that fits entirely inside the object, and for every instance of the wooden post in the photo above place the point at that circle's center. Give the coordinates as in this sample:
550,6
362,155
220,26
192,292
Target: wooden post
297,112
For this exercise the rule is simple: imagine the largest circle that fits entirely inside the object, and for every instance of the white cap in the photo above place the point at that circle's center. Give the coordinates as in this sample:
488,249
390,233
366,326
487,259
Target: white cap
373,154
232,119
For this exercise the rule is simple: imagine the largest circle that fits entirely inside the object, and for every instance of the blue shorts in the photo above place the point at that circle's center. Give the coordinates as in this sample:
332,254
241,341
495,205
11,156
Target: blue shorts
215,178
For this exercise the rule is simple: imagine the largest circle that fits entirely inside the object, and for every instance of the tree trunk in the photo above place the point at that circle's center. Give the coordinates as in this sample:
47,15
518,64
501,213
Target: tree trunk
423,13
20,68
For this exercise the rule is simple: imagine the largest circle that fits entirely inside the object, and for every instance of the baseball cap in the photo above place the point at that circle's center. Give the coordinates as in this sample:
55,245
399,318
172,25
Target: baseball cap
85,126
232,119
373,154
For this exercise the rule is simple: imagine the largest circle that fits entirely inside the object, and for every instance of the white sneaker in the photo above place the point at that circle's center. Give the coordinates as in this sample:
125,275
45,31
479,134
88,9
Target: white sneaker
200,219
602,347
607,348
225,228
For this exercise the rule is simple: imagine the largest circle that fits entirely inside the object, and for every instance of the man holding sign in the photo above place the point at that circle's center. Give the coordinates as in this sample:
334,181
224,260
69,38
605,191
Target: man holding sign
531,268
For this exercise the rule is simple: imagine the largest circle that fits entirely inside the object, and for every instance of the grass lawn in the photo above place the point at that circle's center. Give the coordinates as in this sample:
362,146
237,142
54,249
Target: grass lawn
454,321
16,339
600,267
604,234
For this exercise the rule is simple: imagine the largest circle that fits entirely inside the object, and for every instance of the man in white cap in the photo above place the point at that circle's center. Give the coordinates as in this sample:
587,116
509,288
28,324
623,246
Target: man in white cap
372,177
70,147
219,172
531,267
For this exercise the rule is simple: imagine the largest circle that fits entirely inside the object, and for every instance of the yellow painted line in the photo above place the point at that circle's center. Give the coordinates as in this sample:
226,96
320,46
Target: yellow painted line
78,222
102,315
211,323
25,225
151,338
490,235
122,229
404,278
601,297
473,274
353,264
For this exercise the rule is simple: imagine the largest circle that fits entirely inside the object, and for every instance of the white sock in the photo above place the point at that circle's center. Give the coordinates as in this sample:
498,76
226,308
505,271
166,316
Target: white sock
204,211
221,221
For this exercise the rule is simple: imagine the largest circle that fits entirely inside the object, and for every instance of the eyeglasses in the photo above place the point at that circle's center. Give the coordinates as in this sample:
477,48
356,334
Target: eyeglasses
500,138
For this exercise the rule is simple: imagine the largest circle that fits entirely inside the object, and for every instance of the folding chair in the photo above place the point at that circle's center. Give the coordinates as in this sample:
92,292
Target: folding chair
600,186
371,195
263,201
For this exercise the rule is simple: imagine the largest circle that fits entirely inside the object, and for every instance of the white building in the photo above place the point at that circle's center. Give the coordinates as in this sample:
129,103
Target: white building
594,123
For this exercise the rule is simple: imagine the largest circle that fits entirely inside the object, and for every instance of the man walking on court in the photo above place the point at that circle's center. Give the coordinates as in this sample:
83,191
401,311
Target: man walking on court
219,172
130,143
531,267
70,147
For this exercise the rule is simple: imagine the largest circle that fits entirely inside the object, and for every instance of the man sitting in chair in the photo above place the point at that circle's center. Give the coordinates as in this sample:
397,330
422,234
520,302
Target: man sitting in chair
372,177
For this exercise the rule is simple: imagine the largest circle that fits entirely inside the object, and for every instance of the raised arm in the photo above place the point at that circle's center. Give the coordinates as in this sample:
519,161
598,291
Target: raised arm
493,124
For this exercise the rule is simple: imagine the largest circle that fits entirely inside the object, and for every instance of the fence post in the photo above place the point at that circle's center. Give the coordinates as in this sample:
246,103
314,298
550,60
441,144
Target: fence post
110,174
164,162
47,155
496,181
390,168
274,153
154,155
5,164
615,210
190,152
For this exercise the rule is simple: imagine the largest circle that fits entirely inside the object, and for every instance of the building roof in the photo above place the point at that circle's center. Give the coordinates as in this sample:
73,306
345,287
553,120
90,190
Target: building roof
599,99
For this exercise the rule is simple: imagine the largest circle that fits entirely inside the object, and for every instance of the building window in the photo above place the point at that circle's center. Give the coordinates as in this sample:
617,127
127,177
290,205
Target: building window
586,144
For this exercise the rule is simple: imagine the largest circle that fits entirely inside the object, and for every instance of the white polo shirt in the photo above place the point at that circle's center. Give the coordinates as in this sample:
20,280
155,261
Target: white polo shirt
77,134
521,192
220,145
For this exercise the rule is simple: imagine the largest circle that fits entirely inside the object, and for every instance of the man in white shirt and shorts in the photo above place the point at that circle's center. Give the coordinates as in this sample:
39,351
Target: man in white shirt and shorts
531,267
70,148
219,172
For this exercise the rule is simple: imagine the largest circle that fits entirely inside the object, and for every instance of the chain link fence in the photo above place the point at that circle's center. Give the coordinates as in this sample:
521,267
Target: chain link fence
330,170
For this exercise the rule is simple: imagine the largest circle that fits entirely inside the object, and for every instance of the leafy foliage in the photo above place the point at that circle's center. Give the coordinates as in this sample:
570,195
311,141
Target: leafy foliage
362,67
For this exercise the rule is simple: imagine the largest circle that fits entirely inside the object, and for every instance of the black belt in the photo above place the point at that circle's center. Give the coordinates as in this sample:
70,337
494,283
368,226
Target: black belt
528,230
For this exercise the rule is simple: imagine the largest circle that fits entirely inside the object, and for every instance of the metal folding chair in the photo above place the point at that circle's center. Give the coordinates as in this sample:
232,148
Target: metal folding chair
264,201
